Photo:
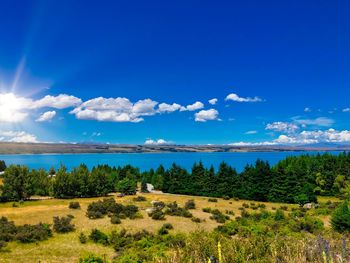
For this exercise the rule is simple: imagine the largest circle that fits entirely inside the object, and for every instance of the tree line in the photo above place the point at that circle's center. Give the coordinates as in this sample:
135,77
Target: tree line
297,179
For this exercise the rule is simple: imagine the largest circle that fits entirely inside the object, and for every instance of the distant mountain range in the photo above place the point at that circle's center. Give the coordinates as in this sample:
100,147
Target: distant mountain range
42,148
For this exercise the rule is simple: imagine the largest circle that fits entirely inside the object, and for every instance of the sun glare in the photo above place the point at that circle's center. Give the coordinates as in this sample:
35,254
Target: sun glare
10,107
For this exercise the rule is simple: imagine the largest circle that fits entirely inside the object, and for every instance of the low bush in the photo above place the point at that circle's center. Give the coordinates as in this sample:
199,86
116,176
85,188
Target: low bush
115,219
340,220
190,204
174,210
157,215
91,258
82,238
98,236
63,224
140,198
284,207
245,205
206,210
74,205
226,197
218,216
196,219
33,233
213,200
164,230
8,230
109,206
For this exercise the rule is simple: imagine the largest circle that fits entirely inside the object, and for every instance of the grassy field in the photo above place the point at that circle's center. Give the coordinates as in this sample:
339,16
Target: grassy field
67,248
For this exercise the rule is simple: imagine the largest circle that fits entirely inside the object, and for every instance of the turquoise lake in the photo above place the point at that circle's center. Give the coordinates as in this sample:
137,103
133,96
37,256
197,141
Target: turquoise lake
146,161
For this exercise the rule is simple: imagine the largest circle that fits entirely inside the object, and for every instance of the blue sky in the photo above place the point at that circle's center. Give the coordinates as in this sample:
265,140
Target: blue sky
77,71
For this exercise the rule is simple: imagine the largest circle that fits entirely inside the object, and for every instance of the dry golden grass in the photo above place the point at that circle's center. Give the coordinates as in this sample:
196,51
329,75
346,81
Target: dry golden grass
67,248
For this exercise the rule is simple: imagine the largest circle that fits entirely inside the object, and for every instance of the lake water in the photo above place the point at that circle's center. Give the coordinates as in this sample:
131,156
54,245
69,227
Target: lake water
146,161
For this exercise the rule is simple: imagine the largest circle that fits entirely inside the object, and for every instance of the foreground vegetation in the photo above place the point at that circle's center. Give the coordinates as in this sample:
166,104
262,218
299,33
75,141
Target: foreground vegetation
249,231
69,221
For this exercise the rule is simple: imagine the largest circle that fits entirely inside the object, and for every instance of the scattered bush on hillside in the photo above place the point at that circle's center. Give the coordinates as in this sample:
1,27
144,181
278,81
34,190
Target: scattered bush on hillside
82,238
340,220
196,219
206,210
190,204
8,230
108,206
115,219
74,205
157,214
33,233
98,236
140,198
218,216
63,224
213,200
91,258
174,209
164,230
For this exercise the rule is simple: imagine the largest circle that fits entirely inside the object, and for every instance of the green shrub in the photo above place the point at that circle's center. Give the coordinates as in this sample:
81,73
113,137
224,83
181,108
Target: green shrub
74,205
82,238
157,215
218,216
164,230
279,215
140,198
196,219
130,211
340,220
2,245
33,233
115,219
245,205
168,226
63,224
98,237
213,200
174,210
8,229
206,210
226,197
309,224
284,207
91,258
190,204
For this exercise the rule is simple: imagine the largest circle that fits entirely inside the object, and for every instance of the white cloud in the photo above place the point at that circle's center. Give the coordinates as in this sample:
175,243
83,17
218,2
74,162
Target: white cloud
206,115
17,136
144,108
213,101
306,137
61,101
15,109
321,121
346,110
235,97
115,109
46,116
192,107
251,132
307,109
252,143
167,108
282,127
157,142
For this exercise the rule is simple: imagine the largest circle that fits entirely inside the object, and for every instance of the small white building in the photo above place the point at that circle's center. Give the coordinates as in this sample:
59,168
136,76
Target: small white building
150,188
